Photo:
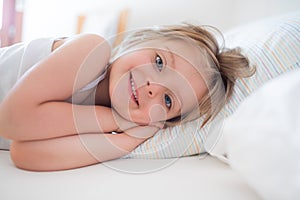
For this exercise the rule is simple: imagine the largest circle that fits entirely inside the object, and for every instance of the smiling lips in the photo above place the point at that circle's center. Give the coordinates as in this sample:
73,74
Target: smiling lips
133,90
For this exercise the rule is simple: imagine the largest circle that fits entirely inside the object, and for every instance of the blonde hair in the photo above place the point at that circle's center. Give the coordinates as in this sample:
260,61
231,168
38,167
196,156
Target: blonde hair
225,65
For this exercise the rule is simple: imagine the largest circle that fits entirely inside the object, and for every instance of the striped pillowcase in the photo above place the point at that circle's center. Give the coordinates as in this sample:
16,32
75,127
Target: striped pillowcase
273,45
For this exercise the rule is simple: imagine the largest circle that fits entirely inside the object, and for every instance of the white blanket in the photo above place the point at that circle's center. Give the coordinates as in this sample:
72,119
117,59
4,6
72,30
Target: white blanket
262,139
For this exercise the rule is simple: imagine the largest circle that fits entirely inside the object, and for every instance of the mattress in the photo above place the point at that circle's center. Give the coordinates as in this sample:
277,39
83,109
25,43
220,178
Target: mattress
185,178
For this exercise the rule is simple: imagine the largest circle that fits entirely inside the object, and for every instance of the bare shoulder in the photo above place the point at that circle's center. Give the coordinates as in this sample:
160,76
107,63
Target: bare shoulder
83,39
90,52
92,39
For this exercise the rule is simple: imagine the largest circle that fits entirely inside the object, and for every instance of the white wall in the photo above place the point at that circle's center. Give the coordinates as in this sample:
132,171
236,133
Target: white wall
58,17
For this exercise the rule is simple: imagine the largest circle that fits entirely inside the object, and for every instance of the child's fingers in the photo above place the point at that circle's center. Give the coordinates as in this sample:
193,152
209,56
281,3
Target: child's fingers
122,123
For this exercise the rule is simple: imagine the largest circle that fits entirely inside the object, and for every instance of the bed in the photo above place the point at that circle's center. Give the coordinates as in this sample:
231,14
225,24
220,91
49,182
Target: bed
184,178
231,171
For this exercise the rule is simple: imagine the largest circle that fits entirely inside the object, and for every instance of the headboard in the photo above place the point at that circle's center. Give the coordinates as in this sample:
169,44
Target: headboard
108,24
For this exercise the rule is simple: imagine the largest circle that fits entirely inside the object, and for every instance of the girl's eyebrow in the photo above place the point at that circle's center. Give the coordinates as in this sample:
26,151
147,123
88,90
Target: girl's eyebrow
171,58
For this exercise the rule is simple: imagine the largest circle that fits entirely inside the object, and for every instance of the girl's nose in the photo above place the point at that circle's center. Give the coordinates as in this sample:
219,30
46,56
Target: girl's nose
153,89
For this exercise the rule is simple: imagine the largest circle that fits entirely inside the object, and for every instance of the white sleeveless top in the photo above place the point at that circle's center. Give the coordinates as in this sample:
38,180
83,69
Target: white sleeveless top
15,60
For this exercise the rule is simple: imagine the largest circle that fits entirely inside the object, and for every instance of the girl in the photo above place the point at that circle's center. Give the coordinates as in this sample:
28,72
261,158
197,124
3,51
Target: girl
54,110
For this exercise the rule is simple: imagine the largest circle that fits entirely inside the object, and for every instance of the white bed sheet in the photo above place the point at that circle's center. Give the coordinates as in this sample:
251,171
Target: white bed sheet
186,178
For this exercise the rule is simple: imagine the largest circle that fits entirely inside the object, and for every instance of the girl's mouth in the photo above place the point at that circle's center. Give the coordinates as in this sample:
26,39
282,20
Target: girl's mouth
134,92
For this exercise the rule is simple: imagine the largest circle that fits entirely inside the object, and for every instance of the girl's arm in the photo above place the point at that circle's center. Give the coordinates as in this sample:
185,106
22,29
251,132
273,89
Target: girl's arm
71,151
35,108
75,151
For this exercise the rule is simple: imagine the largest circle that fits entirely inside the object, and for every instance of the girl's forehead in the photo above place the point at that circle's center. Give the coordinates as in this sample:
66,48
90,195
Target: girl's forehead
183,48
176,45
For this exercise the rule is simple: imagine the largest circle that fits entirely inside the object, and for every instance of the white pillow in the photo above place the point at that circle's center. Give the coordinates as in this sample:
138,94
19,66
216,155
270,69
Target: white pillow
262,138
273,46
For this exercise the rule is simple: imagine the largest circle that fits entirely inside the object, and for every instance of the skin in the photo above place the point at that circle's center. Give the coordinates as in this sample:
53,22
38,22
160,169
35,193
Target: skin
49,133
153,70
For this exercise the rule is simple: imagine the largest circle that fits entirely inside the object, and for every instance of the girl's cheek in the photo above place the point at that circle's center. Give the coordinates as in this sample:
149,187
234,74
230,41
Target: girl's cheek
157,113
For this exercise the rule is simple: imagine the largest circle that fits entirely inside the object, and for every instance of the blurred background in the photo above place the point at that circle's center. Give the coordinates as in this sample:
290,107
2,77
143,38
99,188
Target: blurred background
24,20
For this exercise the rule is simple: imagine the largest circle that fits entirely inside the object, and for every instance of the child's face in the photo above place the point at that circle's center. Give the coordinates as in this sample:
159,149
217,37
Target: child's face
157,81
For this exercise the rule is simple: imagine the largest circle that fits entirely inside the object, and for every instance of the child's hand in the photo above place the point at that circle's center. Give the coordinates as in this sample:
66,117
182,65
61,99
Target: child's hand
122,123
142,132
136,130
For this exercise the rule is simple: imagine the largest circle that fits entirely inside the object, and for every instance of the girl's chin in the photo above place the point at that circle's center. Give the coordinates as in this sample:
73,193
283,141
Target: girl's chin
132,117
139,122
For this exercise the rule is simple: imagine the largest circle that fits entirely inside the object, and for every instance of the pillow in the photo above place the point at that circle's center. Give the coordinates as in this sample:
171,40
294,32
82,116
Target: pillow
271,45
262,138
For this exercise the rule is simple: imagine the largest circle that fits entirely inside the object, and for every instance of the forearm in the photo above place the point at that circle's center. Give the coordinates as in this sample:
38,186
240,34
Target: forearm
71,151
57,119
77,150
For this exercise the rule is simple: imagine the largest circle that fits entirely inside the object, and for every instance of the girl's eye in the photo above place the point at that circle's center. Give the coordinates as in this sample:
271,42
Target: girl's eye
159,62
168,101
